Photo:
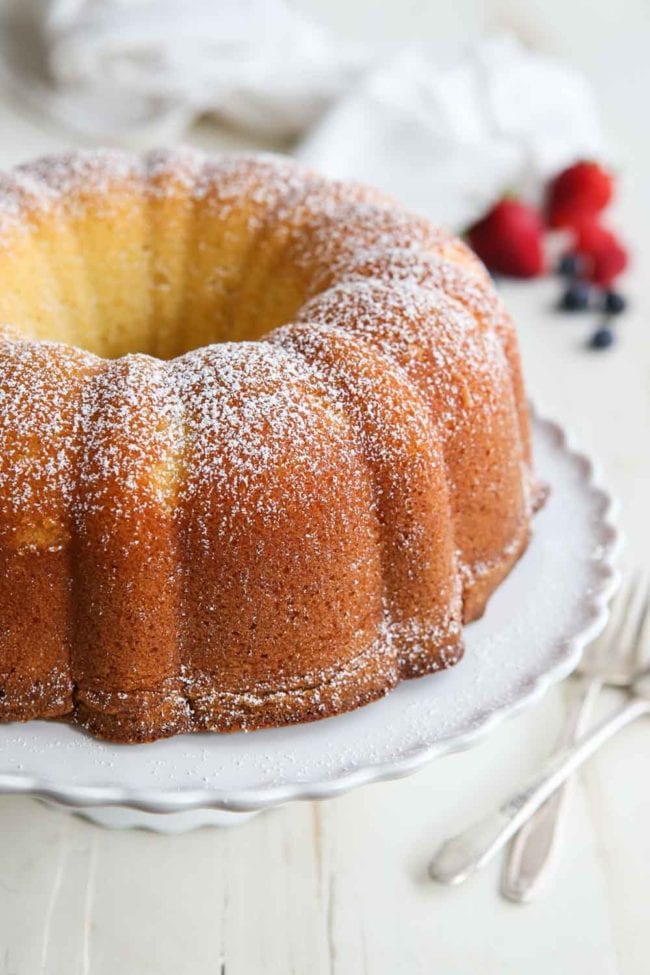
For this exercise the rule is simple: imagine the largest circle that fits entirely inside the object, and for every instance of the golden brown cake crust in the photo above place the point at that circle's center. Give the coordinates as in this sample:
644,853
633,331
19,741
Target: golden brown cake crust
292,460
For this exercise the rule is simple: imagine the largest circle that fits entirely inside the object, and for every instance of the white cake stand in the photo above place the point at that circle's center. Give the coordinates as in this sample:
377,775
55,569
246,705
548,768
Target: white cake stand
537,624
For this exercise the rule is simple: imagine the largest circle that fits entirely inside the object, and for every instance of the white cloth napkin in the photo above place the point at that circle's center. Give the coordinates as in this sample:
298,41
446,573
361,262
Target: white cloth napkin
148,68
449,141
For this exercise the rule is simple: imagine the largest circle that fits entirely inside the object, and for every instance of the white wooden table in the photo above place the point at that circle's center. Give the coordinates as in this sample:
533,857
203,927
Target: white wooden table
341,887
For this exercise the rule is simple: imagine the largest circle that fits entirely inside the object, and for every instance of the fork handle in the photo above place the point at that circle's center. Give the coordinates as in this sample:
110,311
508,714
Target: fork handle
532,851
470,850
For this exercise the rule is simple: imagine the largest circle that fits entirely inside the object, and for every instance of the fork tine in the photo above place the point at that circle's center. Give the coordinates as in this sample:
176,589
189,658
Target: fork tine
632,610
633,613
613,636
615,654
637,645
629,609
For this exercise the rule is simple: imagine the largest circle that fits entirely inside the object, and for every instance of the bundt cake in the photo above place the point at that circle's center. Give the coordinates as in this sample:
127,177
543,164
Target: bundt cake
264,444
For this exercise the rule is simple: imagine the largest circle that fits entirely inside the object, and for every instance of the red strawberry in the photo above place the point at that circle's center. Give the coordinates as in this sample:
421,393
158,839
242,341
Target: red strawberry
582,190
509,239
603,254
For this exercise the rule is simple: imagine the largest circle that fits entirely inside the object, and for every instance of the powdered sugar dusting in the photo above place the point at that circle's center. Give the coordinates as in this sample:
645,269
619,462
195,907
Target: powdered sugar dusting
39,429
251,399
222,444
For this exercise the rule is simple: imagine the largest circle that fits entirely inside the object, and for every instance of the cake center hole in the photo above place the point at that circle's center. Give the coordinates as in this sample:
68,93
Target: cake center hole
161,300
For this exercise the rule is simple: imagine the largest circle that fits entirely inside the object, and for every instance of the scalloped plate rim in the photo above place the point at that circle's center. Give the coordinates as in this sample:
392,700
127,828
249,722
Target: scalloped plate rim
594,619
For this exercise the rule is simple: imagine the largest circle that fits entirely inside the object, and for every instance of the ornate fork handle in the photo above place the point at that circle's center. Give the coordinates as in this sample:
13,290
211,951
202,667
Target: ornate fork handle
470,850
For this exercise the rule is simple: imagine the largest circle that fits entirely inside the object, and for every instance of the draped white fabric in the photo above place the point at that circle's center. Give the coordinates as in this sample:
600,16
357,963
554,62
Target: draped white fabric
119,67
446,139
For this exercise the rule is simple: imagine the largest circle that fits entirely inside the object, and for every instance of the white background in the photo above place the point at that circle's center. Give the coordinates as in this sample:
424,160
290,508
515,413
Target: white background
341,887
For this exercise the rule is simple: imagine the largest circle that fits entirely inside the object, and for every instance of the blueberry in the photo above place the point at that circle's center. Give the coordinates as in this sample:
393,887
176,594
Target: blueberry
602,338
576,297
569,265
614,303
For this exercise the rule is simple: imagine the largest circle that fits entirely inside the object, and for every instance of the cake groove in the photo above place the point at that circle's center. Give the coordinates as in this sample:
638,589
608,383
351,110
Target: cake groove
126,636
473,291
38,457
463,379
420,588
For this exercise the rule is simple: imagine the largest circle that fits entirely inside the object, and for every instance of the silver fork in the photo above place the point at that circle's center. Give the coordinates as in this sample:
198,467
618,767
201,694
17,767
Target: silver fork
470,850
609,660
